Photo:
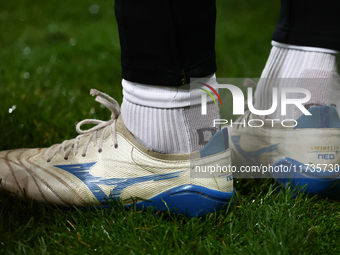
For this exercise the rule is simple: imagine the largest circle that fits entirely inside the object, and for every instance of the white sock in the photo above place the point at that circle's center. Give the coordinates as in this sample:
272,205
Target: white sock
290,61
167,119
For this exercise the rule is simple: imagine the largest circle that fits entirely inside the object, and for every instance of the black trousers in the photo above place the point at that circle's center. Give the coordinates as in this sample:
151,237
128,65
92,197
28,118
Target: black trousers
166,42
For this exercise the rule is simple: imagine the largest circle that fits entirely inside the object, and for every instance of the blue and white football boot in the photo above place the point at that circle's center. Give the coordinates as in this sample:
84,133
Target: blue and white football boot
107,162
306,153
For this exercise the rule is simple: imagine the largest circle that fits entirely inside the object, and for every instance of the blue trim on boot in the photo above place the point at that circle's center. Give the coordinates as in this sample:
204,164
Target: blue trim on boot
319,182
322,117
189,200
218,143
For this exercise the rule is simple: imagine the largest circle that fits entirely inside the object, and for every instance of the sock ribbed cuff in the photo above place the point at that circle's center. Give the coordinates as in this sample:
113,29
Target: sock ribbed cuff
303,48
164,97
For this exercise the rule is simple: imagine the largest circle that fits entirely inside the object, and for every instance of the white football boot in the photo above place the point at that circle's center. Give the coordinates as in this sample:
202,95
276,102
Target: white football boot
305,151
107,162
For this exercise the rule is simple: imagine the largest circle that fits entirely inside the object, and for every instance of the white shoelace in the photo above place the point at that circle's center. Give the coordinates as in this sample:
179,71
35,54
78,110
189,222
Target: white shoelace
67,146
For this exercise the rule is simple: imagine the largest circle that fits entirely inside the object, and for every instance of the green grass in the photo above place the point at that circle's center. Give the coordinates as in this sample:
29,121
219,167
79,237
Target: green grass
52,53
